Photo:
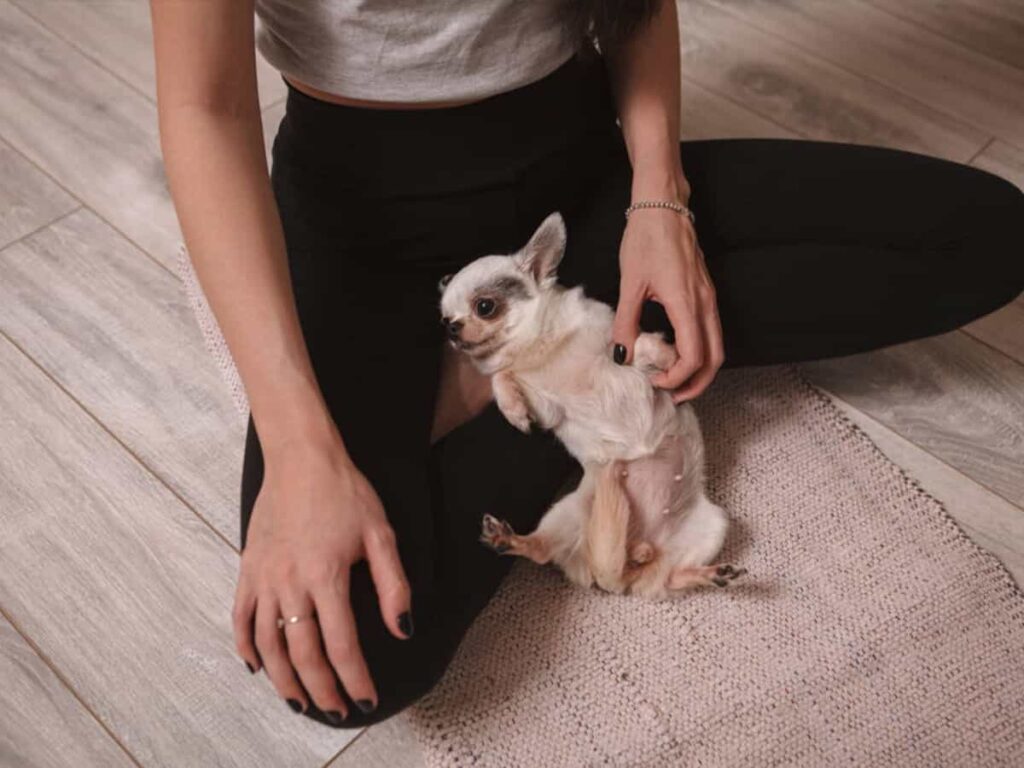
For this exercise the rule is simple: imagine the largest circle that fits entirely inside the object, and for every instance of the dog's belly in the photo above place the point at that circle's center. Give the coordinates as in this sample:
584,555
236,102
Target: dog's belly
664,485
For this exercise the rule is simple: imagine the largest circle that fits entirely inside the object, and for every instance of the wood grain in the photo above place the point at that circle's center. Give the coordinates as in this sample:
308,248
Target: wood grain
991,521
117,332
128,593
808,95
1003,160
118,35
88,129
390,744
708,115
949,394
28,199
44,725
1002,329
271,118
992,27
925,66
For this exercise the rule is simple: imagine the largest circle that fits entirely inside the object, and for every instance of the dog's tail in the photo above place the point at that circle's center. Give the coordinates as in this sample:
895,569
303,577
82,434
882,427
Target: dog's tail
607,532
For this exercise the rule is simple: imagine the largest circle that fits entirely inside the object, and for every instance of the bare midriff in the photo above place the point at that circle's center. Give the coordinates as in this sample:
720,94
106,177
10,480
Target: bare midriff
336,98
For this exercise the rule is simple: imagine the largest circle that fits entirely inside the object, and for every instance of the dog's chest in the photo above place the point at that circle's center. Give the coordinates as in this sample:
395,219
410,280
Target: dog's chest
598,410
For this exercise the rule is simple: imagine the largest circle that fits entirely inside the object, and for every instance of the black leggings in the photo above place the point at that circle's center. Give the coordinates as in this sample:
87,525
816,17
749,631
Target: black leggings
816,249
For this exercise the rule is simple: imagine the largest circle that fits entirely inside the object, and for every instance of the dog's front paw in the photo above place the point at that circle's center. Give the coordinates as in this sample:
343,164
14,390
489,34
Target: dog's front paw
520,421
725,573
496,534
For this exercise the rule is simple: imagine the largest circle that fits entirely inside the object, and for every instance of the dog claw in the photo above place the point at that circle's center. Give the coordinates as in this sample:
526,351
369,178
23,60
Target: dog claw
495,533
726,573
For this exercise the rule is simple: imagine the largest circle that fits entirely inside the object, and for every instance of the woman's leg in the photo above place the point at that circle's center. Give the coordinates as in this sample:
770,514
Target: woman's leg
821,249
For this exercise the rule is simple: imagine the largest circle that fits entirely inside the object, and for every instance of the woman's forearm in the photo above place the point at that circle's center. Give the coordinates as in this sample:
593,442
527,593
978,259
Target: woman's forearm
644,73
212,142
217,174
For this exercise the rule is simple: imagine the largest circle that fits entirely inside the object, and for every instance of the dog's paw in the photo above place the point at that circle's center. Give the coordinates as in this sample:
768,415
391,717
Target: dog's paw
496,534
520,420
641,553
726,573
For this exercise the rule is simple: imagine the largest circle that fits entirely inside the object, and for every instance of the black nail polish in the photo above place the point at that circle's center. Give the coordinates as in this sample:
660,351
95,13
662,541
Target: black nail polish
366,705
619,354
334,716
405,623
252,670
295,705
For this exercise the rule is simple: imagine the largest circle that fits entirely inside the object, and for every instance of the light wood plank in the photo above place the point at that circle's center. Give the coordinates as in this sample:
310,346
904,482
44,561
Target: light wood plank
390,744
128,593
952,396
1003,160
1002,329
808,95
43,724
992,27
271,120
87,129
28,199
923,65
992,522
707,115
118,34
117,332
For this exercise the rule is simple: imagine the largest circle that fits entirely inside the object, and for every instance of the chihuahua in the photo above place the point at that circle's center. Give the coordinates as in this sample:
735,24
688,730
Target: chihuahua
639,521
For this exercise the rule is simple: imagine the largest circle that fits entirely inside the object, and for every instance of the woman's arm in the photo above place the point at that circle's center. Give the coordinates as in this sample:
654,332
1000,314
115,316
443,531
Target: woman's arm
660,258
212,142
315,514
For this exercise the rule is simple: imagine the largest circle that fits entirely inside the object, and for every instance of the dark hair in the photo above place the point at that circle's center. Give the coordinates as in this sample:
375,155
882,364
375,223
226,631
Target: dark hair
606,21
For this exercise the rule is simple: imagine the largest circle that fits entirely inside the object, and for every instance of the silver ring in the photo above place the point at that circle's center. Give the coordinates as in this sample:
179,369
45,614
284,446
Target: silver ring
281,620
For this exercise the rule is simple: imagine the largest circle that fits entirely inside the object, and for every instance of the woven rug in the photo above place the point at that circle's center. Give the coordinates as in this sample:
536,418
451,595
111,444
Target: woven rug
870,630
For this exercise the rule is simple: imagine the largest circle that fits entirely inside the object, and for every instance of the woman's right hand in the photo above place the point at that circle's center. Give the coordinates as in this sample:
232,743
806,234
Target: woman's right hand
315,516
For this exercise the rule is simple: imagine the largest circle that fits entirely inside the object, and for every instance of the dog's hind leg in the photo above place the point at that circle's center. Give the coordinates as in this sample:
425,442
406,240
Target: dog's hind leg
557,535
702,575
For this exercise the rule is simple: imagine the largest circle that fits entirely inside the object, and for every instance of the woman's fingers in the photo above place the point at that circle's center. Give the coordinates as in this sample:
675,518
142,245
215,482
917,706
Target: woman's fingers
243,615
307,656
270,643
689,343
393,592
626,326
338,628
712,362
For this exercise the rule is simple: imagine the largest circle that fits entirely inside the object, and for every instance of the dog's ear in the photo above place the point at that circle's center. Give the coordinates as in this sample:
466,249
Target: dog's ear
540,256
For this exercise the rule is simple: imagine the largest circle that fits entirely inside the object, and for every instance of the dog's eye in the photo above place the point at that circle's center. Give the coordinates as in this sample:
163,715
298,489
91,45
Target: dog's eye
484,307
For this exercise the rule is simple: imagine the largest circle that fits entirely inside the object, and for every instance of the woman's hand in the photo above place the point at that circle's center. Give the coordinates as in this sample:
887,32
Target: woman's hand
315,516
660,259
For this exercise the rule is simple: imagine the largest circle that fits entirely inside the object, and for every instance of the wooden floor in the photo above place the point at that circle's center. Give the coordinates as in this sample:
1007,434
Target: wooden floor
120,452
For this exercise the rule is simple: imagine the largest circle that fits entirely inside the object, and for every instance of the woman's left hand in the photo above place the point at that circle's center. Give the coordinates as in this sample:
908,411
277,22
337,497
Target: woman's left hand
660,259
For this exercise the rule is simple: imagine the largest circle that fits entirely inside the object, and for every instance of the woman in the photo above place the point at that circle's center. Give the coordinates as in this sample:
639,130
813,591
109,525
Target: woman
420,136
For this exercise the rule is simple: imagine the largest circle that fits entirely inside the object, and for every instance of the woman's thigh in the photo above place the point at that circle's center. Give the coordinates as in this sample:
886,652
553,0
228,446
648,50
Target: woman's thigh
816,249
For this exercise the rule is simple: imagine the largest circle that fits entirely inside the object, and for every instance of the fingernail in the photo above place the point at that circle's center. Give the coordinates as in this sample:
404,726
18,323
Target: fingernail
405,623
619,354
334,716
295,704
252,670
366,705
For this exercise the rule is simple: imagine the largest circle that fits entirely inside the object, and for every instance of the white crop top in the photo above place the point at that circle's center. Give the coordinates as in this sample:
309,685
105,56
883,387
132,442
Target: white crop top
413,50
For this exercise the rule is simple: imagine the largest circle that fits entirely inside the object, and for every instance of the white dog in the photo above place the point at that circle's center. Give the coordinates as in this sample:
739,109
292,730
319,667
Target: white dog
639,521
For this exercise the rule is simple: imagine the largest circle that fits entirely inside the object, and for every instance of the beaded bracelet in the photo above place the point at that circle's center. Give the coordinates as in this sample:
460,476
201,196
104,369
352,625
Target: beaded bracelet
677,207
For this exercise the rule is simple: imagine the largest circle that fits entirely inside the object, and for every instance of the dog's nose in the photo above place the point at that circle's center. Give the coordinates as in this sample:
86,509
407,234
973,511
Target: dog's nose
452,327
